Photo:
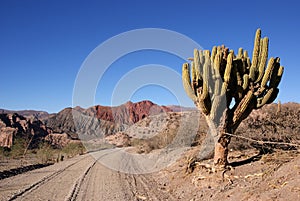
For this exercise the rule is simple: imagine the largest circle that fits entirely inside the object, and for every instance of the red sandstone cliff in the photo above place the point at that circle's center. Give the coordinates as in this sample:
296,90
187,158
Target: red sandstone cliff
128,113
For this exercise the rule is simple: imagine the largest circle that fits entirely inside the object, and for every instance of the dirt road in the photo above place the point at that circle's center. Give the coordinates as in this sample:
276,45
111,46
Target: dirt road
83,178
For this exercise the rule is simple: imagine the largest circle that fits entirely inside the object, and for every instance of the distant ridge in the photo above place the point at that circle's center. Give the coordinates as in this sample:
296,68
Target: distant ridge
27,113
178,108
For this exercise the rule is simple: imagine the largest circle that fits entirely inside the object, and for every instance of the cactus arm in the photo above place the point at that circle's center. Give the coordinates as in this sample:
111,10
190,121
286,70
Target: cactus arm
276,74
213,53
278,77
273,96
269,97
197,64
268,72
263,58
228,68
240,53
215,108
186,81
242,107
245,82
206,75
255,54
202,59
246,54
256,49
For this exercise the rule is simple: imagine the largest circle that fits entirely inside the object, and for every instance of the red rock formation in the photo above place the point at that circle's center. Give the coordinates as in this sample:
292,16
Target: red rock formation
128,113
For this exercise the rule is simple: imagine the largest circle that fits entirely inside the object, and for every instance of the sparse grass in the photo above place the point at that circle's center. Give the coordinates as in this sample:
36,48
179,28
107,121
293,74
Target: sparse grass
73,149
45,153
91,147
269,126
16,150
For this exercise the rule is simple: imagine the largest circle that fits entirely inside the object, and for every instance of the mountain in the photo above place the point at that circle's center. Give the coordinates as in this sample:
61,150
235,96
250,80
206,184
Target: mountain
128,113
27,113
74,122
65,126
102,120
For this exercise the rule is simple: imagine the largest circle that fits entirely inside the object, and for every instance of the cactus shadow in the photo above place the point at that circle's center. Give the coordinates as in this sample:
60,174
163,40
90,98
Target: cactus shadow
254,158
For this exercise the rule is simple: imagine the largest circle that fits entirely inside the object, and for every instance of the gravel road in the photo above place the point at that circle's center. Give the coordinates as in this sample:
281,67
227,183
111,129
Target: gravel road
85,178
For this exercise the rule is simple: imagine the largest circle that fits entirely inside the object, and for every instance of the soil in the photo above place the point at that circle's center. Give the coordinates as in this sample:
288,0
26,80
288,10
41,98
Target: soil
252,176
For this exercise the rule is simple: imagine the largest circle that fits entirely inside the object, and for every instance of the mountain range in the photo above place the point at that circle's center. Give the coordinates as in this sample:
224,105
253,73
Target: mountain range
64,126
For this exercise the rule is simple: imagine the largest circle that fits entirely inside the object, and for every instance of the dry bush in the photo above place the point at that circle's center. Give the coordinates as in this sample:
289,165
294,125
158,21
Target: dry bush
270,125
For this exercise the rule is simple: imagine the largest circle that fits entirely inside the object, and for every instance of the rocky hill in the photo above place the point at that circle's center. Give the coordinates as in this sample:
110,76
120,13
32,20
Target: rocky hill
76,122
65,126
277,123
128,113
102,120
16,126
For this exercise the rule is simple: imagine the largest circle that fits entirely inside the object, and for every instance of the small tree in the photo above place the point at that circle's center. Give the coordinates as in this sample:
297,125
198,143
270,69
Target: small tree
226,87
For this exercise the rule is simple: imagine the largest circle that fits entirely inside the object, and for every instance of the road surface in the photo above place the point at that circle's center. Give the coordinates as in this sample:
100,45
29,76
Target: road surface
85,178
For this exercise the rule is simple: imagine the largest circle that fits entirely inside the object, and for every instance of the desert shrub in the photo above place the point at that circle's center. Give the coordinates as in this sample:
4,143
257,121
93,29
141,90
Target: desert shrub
268,125
73,149
46,153
4,152
16,150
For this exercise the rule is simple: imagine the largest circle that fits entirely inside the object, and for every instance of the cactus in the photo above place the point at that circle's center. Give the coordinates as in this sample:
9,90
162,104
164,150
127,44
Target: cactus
220,76
278,107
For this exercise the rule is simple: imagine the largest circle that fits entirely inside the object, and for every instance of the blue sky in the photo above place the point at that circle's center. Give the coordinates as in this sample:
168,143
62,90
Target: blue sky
43,43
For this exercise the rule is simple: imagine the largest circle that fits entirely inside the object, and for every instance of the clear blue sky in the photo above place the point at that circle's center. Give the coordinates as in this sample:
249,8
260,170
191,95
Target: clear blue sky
43,43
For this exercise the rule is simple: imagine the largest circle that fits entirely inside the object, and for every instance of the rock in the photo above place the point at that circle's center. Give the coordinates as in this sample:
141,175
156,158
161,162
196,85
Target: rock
101,120
6,136
15,125
129,113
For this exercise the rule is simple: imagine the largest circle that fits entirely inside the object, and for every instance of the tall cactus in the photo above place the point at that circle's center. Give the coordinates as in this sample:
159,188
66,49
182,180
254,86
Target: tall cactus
226,87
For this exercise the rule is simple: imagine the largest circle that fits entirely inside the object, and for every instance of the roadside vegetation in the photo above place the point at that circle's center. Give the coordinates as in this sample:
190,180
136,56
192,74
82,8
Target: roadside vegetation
43,154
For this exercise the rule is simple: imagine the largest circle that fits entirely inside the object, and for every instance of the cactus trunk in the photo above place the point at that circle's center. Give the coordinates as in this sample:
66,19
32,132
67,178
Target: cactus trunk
219,131
221,141
221,154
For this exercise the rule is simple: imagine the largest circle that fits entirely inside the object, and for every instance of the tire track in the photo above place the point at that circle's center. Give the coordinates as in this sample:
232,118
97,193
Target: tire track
148,185
142,191
44,180
75,190
86,178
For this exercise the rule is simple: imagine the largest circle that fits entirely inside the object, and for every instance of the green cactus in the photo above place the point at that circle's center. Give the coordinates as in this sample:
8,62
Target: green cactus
222,75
